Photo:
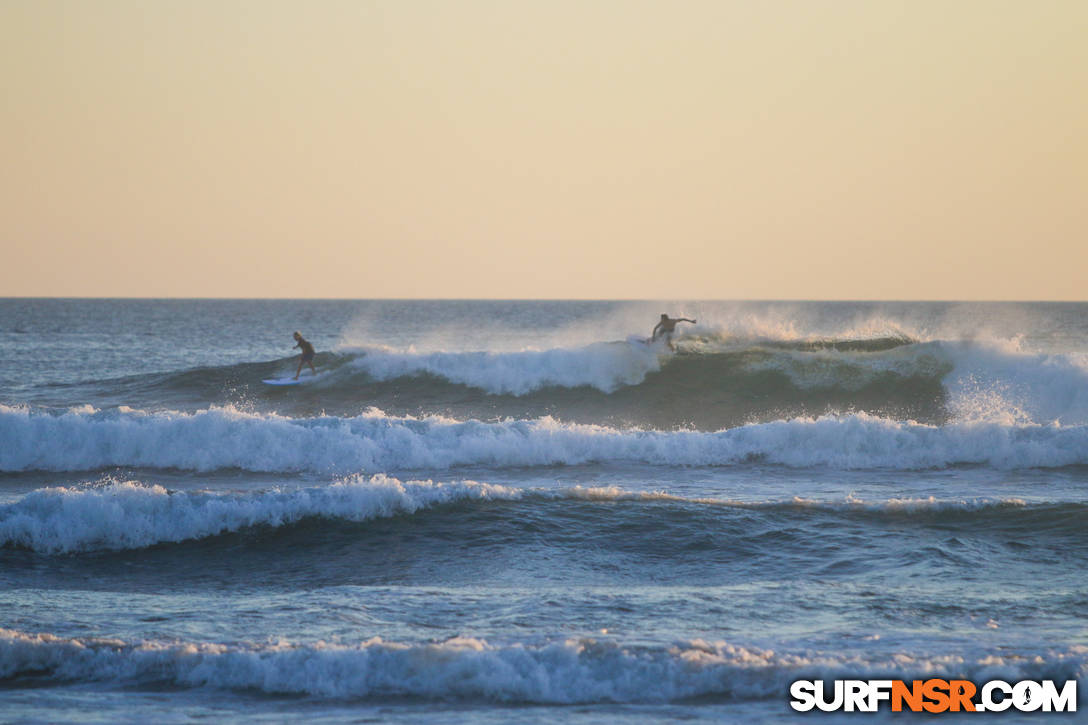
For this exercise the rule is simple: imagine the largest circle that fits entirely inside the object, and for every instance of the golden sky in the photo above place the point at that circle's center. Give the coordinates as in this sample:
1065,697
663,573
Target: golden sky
706,149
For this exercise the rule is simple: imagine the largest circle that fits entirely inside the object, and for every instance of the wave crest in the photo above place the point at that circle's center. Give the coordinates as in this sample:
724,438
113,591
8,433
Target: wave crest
118,515
130,515
577,670
220,438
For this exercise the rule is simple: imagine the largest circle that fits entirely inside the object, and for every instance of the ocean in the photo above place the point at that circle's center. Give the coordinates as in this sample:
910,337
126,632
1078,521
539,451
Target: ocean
490,512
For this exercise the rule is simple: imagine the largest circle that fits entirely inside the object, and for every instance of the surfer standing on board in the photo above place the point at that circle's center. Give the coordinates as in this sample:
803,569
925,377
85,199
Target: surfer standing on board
307,354
665,328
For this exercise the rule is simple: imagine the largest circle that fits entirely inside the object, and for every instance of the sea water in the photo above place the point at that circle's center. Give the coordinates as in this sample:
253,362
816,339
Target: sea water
520,512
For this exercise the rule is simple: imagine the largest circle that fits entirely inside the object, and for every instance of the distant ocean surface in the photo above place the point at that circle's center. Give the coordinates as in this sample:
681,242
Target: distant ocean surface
492,512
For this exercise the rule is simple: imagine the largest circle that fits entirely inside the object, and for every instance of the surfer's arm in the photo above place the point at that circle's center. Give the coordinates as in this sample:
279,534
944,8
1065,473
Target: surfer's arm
653,335
684,319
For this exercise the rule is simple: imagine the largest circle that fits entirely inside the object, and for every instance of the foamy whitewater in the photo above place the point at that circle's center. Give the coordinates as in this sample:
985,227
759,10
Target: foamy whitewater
524,512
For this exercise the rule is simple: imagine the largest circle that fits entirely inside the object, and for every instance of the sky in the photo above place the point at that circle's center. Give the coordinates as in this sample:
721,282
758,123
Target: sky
589,149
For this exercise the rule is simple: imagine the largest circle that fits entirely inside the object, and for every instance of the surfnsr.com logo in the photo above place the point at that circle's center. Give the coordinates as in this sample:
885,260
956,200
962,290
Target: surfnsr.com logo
934,695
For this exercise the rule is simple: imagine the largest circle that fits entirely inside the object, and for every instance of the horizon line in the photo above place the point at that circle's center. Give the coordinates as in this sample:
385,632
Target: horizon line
539,299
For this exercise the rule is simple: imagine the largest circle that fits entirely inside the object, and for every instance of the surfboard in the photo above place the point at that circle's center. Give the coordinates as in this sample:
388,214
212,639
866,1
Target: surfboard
282,381
289,379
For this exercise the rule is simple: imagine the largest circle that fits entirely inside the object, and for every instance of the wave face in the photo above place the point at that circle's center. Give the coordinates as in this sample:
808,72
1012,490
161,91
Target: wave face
469,669
711,383
86,439
603,366
609,366
927,381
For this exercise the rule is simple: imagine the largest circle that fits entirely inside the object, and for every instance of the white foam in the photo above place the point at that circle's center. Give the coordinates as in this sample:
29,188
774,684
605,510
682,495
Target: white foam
850,502
995,382
561,672
605,366
128,514
220,438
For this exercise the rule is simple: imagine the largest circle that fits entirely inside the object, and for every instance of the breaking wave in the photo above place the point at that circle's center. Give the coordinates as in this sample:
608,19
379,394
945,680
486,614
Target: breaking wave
219,438
576,670
709,384
128,515
117,515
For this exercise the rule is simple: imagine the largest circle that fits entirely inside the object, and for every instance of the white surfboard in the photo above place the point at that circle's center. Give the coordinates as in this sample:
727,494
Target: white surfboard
306,377
281,381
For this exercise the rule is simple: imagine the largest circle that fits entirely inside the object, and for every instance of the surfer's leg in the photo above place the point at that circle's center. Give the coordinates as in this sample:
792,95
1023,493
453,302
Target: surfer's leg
299,371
